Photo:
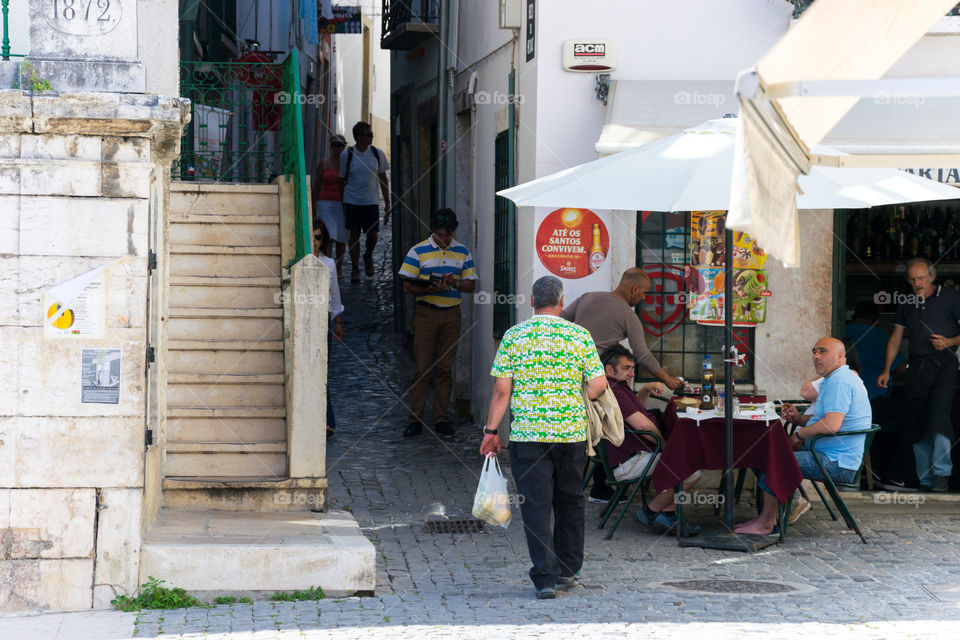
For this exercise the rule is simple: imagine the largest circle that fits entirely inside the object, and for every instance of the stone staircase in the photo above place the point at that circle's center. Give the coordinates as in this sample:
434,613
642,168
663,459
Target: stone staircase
242,507
225,364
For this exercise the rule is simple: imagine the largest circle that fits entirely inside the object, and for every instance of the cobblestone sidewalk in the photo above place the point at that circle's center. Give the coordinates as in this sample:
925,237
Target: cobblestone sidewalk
821,582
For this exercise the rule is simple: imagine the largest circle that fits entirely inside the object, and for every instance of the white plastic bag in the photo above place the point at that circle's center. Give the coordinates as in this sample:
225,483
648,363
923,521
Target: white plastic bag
492,504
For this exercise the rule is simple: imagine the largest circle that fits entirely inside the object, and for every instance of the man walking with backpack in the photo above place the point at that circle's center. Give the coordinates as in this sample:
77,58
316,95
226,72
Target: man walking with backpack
362,167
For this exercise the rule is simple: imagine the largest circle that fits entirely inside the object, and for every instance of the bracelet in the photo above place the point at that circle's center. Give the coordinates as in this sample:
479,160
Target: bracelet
491,432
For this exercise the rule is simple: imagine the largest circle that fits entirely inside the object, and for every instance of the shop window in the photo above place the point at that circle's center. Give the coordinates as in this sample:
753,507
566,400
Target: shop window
504,258
663,246
874,245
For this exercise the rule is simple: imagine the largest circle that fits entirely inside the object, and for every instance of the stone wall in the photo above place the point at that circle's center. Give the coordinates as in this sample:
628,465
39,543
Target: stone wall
77,172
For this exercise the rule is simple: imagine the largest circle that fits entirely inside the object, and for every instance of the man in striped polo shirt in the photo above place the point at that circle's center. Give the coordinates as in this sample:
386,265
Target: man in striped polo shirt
437,271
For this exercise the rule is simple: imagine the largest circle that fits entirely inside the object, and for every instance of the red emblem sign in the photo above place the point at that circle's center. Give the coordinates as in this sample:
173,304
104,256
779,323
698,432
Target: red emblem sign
665,306
572,243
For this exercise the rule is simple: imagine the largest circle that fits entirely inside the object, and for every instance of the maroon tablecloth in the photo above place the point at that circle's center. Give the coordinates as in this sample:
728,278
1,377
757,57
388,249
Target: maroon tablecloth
755,446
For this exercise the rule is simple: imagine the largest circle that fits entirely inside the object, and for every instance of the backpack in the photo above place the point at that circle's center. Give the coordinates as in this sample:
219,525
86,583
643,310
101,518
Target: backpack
376,153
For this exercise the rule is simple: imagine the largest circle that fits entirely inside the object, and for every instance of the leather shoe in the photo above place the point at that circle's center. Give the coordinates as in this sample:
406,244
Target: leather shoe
443,428
413,429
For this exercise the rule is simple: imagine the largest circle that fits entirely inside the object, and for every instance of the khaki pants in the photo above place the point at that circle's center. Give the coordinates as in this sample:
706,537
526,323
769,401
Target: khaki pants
433,330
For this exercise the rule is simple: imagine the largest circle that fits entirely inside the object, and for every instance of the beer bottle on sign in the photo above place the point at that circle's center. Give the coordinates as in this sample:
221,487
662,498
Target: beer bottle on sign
708,389
597,251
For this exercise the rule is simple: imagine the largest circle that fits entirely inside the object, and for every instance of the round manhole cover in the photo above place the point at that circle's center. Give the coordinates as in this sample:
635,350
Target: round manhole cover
731,586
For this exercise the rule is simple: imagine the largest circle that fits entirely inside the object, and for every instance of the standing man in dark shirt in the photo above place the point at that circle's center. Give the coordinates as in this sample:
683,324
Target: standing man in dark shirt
931,316
609,317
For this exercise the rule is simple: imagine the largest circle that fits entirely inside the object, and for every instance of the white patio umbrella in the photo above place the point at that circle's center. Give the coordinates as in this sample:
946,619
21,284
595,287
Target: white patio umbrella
692,170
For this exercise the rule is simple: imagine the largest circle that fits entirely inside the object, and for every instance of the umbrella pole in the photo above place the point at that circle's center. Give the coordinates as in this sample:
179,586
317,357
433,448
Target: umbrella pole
728,381
727,540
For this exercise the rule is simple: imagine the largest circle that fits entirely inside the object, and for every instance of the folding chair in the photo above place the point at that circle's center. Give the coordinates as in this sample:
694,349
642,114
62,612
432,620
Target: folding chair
831,485
620,486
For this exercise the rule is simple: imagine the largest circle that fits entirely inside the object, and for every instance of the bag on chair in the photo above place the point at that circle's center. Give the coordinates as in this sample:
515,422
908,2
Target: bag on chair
492,503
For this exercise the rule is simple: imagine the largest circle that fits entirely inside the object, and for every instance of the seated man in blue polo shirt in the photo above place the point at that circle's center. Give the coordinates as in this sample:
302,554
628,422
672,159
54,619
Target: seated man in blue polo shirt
841,406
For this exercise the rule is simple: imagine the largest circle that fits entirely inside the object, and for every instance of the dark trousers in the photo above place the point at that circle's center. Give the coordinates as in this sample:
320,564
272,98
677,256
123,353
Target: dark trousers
434,331
929,388
548,476
891,454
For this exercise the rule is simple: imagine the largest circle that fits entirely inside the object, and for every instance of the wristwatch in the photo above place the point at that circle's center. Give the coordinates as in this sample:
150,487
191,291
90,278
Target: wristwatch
491,432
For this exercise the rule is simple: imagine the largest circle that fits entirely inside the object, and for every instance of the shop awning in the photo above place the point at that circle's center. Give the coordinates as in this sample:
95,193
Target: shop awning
641,111
810,79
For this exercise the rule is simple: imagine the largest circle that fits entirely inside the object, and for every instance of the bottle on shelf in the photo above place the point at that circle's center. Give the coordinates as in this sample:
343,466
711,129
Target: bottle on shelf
901,234
708,391
890,251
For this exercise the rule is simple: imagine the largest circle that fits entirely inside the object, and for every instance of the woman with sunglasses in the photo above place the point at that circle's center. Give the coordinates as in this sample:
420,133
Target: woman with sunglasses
322,248
328,196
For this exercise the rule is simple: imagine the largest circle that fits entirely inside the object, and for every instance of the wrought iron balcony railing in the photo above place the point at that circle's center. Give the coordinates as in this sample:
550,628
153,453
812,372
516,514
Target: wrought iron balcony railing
408,23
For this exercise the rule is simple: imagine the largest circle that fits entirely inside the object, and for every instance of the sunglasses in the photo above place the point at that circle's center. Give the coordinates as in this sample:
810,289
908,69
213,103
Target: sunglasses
368,133
338,144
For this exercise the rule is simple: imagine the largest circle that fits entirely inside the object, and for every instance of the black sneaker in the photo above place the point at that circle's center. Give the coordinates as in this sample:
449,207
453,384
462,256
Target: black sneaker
940,484
413,429
546,593
443,428
895,485
368,264
568,582
601,495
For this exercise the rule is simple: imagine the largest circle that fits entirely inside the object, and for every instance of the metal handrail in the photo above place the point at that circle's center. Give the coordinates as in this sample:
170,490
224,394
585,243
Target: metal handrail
247,126
235,132
5,46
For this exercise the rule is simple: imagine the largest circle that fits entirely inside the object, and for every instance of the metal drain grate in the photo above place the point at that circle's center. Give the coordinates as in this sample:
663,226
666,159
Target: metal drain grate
731,586
453,526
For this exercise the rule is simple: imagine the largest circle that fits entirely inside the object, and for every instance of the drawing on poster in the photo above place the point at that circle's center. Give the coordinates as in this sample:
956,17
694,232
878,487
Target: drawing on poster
705,276
100,376
75,308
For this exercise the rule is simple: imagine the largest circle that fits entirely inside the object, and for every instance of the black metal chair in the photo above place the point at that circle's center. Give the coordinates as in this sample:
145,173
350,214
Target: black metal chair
831,485
620,487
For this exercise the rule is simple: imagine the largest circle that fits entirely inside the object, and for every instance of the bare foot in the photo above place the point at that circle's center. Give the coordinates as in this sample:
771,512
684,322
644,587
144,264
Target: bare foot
754,526
737,527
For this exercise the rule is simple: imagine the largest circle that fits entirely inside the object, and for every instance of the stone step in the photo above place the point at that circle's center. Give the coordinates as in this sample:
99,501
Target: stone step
194,329
214,447
207,551
234,430
225,281
224,395
214,249
225,362
230,235
213,312
224,199
224,265
214,218
174,412
253,463
225,378
225,345
245,493
224,297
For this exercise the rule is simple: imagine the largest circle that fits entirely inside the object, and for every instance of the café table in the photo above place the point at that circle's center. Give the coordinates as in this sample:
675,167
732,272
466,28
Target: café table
697,442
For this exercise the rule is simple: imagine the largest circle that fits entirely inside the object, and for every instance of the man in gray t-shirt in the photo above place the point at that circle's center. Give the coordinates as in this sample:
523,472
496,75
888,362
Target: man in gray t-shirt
609,317
362,168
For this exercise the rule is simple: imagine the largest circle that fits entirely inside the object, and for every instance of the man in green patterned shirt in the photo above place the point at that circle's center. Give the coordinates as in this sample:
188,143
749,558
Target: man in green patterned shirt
540,369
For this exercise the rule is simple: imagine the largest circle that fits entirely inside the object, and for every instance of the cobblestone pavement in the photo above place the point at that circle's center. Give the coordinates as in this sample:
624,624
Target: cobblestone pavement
465,585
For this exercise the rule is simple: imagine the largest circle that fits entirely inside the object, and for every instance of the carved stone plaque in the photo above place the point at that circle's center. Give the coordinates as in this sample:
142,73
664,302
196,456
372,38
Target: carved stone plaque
84,30
83,17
